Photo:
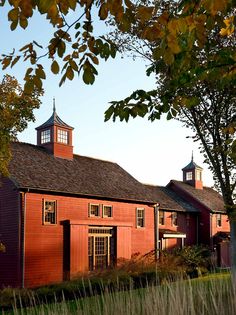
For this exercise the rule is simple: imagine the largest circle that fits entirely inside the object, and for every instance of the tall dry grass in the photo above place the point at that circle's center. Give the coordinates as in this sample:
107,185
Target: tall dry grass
207,295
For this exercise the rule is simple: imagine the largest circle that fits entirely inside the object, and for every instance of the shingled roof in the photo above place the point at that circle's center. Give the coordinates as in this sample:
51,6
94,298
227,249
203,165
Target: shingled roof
33,167
207,196
168,199
54,120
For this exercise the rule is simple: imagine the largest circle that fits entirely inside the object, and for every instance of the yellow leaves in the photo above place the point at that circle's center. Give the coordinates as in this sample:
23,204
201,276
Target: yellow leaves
229,29
173,43
144,13
103,12
115,7
215,6
169,57
46,5
152,32
163,19
55,67
13,14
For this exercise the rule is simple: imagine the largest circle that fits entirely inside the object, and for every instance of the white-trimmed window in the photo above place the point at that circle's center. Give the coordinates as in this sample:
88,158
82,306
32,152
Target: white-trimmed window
218,220
189,176
174,218
161,217
49,212
140,217
198,175
62,136
107,211
45,136
94,210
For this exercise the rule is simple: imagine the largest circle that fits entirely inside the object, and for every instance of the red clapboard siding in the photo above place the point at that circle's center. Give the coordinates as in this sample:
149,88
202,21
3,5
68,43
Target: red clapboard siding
10,234
44,244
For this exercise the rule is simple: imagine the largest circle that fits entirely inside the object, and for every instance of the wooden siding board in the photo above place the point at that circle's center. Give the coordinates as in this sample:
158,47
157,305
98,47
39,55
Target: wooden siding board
10,234
44,254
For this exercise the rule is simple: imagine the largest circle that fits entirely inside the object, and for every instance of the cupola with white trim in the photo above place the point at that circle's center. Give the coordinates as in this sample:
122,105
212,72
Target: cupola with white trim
192,175
56,136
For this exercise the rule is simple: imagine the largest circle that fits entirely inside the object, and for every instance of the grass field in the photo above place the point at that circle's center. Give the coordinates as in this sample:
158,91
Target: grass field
211,295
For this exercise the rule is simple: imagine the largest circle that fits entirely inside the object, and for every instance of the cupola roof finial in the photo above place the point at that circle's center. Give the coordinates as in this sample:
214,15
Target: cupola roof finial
192,156
54,105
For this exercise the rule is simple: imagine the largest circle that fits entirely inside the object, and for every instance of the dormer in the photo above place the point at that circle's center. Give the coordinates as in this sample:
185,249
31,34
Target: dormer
192,175
56,136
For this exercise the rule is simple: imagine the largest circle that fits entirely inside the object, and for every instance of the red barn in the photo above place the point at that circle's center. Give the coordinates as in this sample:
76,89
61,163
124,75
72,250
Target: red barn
62,214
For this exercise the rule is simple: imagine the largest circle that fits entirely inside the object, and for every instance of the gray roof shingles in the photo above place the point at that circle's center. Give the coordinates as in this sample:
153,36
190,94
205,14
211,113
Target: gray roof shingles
207,196
168,199
33,167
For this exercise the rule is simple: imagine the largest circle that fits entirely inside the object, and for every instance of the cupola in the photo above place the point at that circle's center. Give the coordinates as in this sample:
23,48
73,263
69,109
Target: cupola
192,175
56,136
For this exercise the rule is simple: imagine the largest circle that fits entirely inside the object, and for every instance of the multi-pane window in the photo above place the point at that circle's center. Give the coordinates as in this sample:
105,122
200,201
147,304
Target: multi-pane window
189,176
45,136
218,220
93,210
199,175
62,136
140,213
174,218
107,211
161,217
49,212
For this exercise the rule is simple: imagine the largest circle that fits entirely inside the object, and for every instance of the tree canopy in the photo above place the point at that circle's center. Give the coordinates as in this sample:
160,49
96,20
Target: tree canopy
174,30
16,110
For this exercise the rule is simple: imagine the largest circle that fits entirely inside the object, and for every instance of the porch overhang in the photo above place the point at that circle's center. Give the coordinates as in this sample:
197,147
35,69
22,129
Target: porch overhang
166,233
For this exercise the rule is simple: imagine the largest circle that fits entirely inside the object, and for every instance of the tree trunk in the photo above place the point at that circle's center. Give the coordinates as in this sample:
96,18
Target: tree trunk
232,221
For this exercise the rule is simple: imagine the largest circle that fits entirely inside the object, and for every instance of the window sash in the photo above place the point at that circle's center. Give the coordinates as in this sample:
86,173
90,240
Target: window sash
94,210
49,212
174,218
62,136
140,217
107,211
189,176
161,217
45,136
218,220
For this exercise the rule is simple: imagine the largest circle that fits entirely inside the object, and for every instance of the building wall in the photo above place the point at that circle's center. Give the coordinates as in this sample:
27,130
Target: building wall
224,224
10,234
186,223
44,259
204,216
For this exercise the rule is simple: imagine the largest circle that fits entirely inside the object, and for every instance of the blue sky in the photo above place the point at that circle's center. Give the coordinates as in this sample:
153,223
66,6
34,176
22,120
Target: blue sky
153,153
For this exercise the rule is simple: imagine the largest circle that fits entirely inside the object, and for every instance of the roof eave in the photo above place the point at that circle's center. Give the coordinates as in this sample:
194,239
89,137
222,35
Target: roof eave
90,196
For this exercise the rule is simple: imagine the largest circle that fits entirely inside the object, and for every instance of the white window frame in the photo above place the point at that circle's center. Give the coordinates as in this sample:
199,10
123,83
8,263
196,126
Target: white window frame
94,215
174,217
62,136
45,212
103,211
198,175
45,136
189,175
137,217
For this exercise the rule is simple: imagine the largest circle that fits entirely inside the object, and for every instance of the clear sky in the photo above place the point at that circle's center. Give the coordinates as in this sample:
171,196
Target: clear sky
153,153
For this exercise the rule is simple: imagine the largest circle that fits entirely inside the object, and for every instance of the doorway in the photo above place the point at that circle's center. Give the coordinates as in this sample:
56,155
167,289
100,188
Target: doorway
101,247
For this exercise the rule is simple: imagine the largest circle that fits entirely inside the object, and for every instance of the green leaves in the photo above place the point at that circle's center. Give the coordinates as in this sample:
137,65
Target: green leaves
16,110
139,103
